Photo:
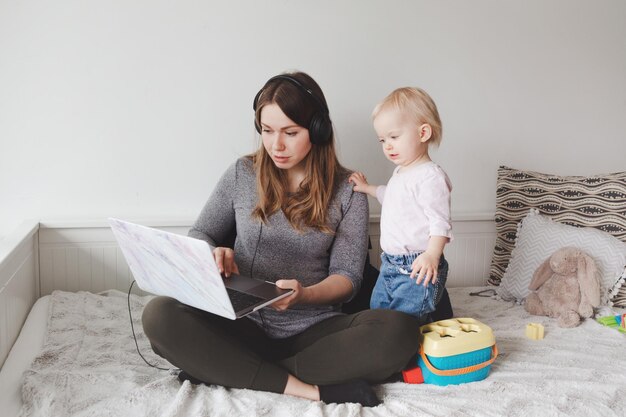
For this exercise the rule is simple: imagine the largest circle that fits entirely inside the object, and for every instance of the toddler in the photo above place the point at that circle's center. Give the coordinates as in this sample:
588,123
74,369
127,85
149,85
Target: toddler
415,218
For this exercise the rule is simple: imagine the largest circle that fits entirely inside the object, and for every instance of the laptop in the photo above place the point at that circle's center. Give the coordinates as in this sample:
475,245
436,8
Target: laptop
183,268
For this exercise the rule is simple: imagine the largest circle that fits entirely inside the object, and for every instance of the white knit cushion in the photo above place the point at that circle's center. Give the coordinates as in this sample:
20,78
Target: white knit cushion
539,237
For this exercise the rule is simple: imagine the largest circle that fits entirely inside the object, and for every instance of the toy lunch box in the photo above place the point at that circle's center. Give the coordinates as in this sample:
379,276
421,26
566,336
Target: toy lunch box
453,351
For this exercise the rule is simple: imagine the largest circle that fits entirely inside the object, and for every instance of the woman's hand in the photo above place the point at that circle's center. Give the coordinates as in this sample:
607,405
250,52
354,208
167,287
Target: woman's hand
332,290
295,298
225,260
425,268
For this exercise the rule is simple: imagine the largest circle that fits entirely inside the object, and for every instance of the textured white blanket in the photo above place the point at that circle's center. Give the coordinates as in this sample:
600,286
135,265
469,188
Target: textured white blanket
89,367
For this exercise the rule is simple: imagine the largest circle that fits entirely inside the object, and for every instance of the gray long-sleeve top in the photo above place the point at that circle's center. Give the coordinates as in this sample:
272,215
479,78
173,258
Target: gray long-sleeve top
276,250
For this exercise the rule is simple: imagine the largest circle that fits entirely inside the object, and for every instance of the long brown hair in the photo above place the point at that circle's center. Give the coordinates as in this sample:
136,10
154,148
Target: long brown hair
308,207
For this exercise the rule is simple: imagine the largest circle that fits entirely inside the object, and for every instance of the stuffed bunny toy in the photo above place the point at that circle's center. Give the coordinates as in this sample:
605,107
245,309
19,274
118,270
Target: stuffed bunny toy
565,286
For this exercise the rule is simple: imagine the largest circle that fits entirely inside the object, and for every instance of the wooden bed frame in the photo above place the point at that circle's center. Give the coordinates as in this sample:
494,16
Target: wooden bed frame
40,257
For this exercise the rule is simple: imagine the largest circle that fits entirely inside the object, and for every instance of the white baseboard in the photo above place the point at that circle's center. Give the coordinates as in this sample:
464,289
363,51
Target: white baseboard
75,257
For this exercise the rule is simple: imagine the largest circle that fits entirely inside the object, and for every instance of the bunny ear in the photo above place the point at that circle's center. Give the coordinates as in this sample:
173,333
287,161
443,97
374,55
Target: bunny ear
541,275
588,280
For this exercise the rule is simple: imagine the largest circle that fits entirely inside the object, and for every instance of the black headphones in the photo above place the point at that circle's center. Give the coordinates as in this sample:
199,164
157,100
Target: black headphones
320,127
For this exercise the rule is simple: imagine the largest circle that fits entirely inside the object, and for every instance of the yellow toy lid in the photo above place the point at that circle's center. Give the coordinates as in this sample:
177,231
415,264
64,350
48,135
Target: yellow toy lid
455,336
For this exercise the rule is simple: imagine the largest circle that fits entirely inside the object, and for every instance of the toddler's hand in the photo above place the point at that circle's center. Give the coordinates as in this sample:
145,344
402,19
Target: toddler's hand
359,181
425,268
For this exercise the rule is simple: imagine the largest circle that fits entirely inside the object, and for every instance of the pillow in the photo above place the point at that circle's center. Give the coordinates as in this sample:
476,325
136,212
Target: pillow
597,201
618,292
539,237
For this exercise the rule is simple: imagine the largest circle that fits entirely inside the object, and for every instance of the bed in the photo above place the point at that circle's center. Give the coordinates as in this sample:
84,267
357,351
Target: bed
87,364
75,355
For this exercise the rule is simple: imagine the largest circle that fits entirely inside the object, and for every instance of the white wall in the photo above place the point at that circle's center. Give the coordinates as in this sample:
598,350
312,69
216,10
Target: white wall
134,108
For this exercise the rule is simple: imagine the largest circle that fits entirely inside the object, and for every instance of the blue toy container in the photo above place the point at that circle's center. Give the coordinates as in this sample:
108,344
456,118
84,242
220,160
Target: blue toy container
453,351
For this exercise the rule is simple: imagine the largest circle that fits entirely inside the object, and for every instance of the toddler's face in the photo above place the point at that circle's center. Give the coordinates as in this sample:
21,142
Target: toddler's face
404,142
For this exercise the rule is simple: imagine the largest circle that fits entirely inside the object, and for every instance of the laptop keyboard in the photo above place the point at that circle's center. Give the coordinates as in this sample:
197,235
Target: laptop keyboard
241,300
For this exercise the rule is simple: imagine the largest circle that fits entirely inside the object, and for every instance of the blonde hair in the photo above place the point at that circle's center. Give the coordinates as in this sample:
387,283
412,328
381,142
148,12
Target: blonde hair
308,207
417,104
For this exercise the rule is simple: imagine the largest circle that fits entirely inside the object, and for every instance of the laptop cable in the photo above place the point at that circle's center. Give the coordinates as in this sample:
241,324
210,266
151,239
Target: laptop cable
130,314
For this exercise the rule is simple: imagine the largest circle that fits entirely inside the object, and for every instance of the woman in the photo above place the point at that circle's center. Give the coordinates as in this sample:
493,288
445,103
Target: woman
298,223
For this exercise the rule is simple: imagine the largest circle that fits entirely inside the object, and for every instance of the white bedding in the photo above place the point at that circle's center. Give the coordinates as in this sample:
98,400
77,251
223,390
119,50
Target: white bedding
89,366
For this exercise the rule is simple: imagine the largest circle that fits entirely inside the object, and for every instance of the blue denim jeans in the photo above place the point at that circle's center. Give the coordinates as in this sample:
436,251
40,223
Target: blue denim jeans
396,290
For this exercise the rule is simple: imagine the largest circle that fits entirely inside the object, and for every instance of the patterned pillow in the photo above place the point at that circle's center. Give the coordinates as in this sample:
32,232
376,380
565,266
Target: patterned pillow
539,237
597,201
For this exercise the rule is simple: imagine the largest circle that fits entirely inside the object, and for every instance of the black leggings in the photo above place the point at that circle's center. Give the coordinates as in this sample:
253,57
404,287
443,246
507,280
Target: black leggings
372,345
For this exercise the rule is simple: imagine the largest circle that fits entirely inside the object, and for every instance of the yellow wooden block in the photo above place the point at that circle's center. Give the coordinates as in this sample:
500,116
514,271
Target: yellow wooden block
534,331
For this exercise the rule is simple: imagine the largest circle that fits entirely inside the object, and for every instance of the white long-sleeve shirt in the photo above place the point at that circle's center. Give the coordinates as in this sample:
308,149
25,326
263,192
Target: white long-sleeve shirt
415,206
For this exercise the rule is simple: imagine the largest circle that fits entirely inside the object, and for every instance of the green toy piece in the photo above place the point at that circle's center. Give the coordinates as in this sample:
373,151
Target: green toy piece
612,321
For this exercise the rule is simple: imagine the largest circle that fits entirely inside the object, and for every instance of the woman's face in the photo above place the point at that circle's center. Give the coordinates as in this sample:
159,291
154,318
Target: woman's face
286,142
